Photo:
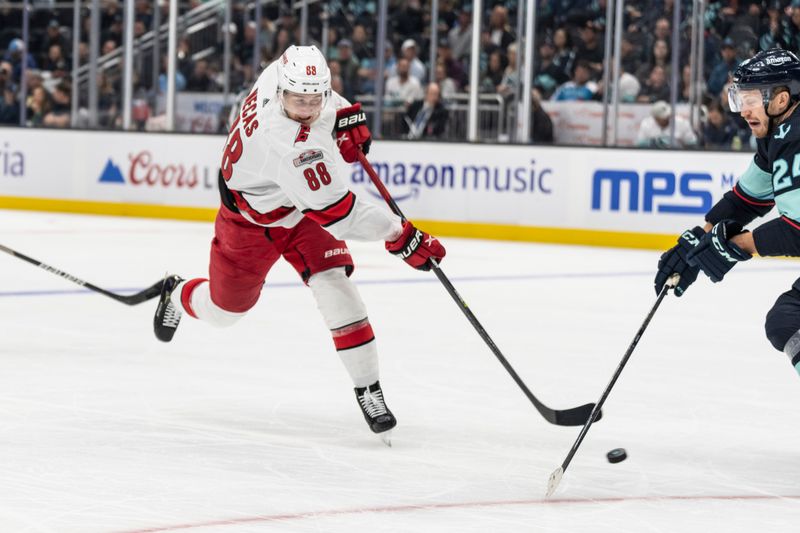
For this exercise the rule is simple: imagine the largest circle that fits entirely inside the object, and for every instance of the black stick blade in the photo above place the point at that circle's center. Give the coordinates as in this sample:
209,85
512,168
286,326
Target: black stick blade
577,416
140,297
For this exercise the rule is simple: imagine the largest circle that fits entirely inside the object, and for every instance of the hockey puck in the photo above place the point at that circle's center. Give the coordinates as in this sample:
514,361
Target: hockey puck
617,455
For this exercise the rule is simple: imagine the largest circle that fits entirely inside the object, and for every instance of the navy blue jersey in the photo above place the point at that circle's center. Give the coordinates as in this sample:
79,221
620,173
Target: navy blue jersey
772,179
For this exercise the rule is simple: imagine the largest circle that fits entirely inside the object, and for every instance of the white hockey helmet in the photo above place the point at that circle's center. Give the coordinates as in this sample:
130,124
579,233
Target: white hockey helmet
303,70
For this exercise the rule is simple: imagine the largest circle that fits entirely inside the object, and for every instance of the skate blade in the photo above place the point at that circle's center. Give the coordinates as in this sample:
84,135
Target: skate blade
386,437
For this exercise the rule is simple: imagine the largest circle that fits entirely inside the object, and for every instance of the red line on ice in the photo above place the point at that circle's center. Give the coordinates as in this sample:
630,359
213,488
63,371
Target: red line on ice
454,505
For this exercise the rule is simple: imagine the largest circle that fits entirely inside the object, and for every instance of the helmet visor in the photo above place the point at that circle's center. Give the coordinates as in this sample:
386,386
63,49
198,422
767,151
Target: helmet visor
740,99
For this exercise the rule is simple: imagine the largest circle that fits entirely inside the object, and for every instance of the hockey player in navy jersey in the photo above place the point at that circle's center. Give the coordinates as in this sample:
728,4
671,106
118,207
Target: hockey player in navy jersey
282,195
766,92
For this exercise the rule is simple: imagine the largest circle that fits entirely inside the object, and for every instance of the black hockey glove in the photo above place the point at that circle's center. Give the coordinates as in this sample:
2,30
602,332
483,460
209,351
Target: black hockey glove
716,255
673,261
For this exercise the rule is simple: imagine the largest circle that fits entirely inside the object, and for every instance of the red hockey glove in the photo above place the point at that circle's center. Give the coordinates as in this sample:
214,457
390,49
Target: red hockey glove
416,247
352,132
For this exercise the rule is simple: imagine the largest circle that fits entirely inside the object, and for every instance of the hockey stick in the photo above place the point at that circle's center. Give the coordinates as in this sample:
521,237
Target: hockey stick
133,299
561,417
558,473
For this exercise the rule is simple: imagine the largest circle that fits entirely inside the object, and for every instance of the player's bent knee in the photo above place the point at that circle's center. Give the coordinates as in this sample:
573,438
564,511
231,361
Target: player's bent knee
337,297
777,330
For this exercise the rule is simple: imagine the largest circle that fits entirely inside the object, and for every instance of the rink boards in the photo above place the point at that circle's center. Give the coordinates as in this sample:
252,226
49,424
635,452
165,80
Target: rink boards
611,197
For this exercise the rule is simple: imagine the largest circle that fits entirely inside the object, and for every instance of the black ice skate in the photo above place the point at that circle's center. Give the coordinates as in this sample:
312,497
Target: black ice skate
168,316
379,418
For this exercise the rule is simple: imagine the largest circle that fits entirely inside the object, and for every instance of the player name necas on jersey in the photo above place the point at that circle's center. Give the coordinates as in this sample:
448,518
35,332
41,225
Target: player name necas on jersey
278,169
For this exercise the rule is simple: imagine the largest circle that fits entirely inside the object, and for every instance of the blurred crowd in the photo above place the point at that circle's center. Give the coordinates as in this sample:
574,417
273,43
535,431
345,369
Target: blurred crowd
568,64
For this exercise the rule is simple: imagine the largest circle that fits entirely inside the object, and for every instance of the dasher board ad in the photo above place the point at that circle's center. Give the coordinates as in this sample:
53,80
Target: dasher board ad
643,191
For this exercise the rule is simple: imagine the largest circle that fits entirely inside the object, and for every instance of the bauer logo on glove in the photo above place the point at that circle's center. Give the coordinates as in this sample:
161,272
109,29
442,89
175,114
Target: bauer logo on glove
352,133
416,247
344,122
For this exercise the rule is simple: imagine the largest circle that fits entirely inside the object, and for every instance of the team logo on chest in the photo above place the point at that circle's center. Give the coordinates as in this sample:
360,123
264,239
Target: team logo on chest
302,134
783,129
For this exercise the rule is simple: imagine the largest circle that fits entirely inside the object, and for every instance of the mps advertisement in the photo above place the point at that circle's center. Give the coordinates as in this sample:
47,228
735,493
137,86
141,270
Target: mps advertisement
638,191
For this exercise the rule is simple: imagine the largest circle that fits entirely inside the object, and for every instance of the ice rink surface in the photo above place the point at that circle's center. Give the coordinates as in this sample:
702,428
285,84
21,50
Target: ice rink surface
255,429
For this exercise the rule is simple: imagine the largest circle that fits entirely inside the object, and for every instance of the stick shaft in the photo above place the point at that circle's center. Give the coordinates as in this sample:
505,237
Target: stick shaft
568,417
133,299
614,378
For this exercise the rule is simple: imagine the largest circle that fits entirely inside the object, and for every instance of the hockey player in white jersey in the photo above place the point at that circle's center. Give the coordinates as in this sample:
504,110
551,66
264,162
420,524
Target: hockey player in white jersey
283,196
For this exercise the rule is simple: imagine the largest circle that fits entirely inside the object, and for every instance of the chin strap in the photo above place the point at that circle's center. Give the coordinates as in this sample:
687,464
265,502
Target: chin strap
792,101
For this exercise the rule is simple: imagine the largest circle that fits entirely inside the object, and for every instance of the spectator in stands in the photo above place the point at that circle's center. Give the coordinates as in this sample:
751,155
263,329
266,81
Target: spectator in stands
107,101
590,49
455,69
349,67
718,130
460,36
83,54
5,75
426,118
629,87
139,29
9,108
490,81
38,106
389,62
200,80
402,87
541,124
784,27
659,57
329,50
416,68
144,13
548,75
661,31
336,84
630,58
580,87
656,87
564,56
52,36
721,72
655,130
685,87
366,75
14,55
243,49
508,84
112,32
409,20
55,61
59,115
108,46
362,45
267,31
446,85
180,80
500,33
185,62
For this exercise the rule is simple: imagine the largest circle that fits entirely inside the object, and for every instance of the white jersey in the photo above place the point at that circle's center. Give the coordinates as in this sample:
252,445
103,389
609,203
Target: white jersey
279,170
